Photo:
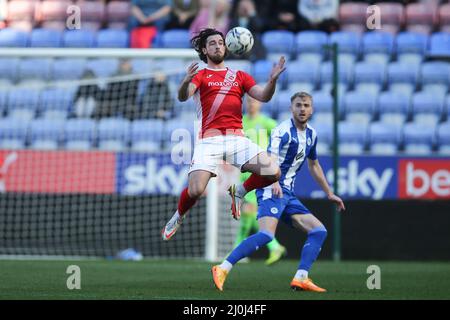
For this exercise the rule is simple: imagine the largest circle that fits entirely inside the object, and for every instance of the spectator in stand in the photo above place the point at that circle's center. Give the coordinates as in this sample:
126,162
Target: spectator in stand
119,97
3,10
245,15
157,102
183,14
86,100
319,14
147,18
219,20
263,8
285,16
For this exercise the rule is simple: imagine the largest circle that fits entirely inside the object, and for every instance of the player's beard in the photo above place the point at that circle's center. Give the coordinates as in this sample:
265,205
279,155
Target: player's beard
217,58
303,120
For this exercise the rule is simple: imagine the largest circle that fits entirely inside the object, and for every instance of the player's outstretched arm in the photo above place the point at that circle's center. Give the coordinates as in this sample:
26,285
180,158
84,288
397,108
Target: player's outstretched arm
264,94
187,89
317,173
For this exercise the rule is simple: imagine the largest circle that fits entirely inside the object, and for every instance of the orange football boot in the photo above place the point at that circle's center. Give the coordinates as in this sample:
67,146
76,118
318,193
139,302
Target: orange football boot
305,285
219,276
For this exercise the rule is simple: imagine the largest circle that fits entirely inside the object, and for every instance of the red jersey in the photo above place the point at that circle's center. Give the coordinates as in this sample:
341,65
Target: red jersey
219,96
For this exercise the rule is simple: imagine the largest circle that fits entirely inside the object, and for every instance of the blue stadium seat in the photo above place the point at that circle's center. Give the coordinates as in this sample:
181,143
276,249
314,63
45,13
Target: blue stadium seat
417,139
403,73
105,67
184,132
403,77
9,67
176,38
284,116
385,138
13,38
311,42
23,103
378,42
242,65
346,71
271,107
369,73
261,69
80,134
323,107
113,134
157,41
284,101
261,72
427,108
13,133
393,107
46,38
349,42
35,68
301,86
68,68
112,38
436,77
142,65
443,138
325,136
79,39
439,44
410,42
447,106
436,72
313,59
3,100
352,137
146,135
279,41
55,103
298,71
174,124
360,107
412,59
174,67
187,109
46,134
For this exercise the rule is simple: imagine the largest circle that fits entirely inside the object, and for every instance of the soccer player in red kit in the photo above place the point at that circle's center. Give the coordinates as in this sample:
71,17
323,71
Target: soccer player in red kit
219,91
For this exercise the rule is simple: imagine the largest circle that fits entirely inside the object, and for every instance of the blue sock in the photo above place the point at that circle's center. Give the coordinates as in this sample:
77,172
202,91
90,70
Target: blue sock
312,247
249,245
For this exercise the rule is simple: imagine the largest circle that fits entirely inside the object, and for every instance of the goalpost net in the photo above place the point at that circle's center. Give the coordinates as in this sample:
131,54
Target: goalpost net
94,152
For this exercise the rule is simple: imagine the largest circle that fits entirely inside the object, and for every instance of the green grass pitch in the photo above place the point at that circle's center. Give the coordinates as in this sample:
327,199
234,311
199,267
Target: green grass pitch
191,280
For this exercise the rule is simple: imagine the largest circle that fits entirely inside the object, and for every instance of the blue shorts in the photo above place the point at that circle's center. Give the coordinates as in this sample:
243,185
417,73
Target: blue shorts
279,208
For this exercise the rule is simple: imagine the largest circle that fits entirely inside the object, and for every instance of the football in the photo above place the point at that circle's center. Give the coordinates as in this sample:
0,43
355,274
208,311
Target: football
239,40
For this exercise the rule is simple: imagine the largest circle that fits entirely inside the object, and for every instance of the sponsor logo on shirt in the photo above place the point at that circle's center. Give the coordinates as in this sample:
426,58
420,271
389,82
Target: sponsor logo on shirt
223,84
300,155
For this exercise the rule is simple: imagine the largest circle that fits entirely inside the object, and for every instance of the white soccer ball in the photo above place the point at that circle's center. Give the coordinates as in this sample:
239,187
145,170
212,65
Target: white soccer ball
239,40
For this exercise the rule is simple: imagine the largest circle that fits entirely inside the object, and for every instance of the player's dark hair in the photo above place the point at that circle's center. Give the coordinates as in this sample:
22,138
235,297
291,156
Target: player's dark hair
199,42
301,95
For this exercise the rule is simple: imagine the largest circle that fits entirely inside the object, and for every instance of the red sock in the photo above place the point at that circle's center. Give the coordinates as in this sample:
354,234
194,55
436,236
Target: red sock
185,202
255,181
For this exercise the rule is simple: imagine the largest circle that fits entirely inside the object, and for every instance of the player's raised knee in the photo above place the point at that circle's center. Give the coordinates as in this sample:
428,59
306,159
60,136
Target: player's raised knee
195,190
274,176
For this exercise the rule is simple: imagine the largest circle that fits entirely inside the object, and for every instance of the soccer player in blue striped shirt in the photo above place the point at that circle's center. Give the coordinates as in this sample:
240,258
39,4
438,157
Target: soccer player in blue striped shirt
291,142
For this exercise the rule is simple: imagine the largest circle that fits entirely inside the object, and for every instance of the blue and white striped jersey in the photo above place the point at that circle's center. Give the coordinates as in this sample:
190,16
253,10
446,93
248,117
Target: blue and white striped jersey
292,146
